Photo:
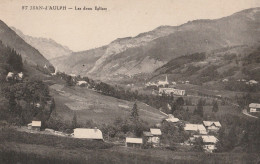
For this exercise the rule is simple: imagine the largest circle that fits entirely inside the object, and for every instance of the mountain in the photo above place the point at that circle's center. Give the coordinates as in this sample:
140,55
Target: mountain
28,53
237,62
149,51
78,62
47,47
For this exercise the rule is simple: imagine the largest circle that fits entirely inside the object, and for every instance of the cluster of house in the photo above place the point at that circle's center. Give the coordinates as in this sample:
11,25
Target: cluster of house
14,76
152,137
202,130
250,82
167,88
254,107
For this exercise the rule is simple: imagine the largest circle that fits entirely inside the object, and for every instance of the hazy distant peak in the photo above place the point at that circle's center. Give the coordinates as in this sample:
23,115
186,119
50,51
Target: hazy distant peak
47,46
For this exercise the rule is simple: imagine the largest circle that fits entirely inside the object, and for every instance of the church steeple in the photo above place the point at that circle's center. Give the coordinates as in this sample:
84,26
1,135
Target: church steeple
166,79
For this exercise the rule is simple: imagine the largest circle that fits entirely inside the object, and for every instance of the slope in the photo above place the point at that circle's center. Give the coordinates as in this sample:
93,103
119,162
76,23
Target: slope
92,106
28,53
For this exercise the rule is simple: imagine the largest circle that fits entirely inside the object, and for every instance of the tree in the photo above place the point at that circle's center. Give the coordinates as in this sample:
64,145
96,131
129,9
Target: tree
198,144
74,121
134,113
180,101
69,81
199,109
215,106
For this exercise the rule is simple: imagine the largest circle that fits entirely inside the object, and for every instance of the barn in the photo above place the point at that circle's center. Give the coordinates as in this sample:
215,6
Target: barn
84,133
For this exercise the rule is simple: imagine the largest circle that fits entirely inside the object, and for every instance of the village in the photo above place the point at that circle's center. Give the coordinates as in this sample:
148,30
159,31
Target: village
152,137
206,130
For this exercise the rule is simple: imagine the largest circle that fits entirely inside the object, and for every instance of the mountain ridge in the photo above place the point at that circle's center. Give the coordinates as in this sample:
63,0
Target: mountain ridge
29,54
148,51
48,47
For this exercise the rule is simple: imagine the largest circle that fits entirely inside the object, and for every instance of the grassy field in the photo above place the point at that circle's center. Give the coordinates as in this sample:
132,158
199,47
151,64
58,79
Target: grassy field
12,135
11,152
90,105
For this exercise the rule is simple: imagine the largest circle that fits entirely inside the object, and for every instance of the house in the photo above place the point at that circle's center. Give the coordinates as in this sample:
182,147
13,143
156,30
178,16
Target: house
150,84
163,83
45,66
147,137
225,80
55,73
82,83
9,76
19,76
35,125
156,136
252,82
212,125
171,118
72,75
169,91
209,142
83,133
133,142
195,128
254,107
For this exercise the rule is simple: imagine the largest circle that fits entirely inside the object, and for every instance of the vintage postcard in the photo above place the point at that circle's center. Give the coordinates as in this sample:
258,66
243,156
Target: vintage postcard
123,82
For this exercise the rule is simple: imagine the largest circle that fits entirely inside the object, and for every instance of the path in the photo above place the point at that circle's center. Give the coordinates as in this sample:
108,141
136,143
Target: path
246,113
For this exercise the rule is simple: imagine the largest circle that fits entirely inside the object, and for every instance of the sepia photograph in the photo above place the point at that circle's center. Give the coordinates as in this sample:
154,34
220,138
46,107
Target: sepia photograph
129,82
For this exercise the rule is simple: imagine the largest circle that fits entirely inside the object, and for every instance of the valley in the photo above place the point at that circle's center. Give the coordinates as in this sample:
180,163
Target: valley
176,94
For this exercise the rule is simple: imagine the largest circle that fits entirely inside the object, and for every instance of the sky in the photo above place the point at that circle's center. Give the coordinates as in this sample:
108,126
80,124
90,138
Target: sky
82,30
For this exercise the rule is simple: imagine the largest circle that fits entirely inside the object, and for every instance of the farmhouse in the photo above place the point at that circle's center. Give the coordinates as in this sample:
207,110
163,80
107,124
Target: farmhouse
252,82
195,128
147,136
225,80
169,91
212,125
209,142
19,76
133,142
83,133
10,76
82,83
171,118
254,107
35,125
156,136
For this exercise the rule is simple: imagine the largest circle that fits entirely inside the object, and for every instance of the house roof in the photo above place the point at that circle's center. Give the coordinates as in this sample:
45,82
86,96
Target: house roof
156,131
172,119
147,134
210,123
207,138
10,74
254,105
88,133
36,123
81,82
194,127
134,140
